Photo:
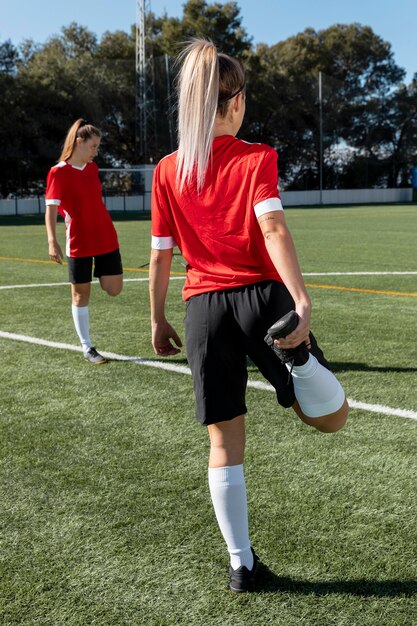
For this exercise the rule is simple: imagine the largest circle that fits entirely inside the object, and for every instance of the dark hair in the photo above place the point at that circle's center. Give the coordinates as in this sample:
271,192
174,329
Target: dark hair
231,81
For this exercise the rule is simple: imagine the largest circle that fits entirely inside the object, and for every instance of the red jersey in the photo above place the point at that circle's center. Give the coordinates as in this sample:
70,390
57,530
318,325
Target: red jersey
77,194
217,230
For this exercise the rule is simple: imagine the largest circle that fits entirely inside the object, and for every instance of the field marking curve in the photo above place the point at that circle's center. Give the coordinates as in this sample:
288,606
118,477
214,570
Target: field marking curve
181,369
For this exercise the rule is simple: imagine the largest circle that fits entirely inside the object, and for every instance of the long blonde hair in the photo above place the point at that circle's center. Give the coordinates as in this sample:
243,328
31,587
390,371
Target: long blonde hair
81,129
208,80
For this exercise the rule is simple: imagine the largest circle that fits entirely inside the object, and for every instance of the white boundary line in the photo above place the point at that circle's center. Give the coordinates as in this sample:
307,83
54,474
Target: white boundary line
94,282
181,369
142,280
359,273
33,285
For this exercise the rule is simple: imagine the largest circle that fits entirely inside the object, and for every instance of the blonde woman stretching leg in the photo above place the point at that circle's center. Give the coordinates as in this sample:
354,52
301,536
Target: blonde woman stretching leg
217,199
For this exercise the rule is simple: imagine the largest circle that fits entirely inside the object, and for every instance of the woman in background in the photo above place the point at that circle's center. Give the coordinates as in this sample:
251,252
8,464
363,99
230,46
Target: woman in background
74,190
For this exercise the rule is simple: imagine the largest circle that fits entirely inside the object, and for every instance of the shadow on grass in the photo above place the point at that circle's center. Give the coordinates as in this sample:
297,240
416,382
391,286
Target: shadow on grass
150,359
268,582
339,366
352,367
335,367
363,367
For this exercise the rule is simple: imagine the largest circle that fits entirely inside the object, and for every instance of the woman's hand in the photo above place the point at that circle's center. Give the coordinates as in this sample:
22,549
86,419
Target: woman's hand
55,252
301,333
162,333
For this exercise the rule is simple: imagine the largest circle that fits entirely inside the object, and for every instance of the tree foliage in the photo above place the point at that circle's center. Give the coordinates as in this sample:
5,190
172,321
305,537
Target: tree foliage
369,114
360,83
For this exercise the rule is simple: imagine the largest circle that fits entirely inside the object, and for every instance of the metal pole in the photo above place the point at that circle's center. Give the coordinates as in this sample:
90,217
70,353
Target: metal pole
141,103
321,135
171,135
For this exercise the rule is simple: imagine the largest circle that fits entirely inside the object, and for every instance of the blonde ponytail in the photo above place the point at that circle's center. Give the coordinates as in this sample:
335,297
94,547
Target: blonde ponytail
206,82
81,129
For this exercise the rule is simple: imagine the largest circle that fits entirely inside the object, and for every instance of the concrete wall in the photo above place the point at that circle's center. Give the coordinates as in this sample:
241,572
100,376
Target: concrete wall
128,203
346,196
25,206
22,206
29,206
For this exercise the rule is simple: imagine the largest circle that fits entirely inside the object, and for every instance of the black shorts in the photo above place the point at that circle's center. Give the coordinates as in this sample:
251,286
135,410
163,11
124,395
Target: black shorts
80,268
223,328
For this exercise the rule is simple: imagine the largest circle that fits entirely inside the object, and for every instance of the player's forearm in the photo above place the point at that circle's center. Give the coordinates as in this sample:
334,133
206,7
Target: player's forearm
50,222
281,250
159,270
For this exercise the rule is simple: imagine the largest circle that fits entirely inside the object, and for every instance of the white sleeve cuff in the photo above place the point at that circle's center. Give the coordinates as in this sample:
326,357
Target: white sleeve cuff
266,206
162,243
52,201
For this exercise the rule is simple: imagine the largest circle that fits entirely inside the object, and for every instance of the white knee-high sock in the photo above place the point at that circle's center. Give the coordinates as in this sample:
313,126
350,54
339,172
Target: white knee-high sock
228,494
82,325
317,390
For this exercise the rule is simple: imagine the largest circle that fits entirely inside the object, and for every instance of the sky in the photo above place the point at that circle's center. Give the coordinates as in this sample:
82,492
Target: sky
267,21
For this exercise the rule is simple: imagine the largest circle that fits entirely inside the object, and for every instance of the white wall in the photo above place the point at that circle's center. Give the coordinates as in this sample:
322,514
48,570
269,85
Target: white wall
128,203
25,206
289,198
346,196
29,206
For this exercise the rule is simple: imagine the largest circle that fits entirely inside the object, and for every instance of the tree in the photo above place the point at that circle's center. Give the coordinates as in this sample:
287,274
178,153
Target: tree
9,57
370,123
385,137
359,75
220,22
114,82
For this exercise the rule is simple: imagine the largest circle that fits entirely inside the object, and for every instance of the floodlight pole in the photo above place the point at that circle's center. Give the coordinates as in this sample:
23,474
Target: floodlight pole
145,87
171,132
321,135
141,134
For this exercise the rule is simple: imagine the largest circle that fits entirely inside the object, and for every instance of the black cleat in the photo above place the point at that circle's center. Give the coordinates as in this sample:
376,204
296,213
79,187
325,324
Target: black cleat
94,357
279,330
242,579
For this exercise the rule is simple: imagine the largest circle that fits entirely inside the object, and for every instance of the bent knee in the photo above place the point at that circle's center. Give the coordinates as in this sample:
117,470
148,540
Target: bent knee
331,426
113,291
112,288
331,423
335,421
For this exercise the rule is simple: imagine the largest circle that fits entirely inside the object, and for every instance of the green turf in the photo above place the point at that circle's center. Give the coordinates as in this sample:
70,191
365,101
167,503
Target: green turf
105,518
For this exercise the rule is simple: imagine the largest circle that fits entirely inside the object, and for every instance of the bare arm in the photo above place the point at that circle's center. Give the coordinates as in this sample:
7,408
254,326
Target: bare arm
162,331
280,247
55,252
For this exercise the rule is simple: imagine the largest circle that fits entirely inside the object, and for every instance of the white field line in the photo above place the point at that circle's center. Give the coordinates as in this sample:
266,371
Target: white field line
142,280
33,285
125,280
181,369
359,273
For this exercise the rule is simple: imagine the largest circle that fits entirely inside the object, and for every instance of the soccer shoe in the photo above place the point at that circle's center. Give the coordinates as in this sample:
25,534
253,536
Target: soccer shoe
242,579
279,330
93,357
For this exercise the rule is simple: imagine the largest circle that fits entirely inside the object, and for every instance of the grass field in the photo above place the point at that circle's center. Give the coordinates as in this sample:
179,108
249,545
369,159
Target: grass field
105,518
